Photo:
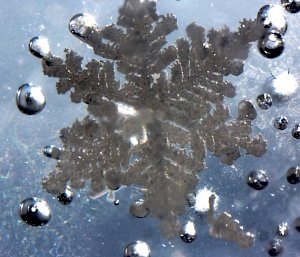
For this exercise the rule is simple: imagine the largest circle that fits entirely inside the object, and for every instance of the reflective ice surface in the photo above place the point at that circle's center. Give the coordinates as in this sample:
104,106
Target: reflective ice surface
98,220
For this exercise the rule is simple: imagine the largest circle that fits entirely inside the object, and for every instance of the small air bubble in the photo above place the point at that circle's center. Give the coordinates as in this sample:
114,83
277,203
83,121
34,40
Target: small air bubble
117,202
257,179
66,197
293,175
30,99
297,224
292,6
39,47
188,232
35,211
275,247
271,44
52,152
246,110
296,131
264,101
139,209
137,249
281,123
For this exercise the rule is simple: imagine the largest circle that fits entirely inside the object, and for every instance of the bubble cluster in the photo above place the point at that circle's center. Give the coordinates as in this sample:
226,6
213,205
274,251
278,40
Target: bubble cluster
39,47
264,101
188,232
281,123
275,247
30,99
257,179
139,209
66,197
293,175
293,6
137,249
52,151
35,211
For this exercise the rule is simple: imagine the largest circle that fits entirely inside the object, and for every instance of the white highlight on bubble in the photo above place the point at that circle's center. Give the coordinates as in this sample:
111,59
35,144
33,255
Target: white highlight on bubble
202,200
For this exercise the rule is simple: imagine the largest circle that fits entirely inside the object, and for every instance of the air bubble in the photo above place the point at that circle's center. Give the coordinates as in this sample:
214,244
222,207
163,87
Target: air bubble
188,232
39,47
272,18
297,224
264,101
117,202
30,99
296,131
52,152
66,197
292,6
246,110
80,24
257,179
281,123
139,209
275,247
35,211
137,249
271,44
293,175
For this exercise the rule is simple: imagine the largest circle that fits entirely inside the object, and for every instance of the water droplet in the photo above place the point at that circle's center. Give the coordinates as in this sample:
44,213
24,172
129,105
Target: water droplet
30,99
264,101
52,152
282,229
292,6
293,175
275,247
297,224
81,23
35,211
281,123
39,47
296,131
257,179
188,232
271,44
246,110
137,249
66,197
272,18
139,209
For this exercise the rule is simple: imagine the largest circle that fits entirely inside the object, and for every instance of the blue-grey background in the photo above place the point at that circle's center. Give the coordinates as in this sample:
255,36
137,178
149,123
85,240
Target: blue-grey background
89,227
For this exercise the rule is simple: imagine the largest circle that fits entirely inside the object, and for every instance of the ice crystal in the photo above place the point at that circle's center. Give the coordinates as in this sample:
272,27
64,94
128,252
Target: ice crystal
174,100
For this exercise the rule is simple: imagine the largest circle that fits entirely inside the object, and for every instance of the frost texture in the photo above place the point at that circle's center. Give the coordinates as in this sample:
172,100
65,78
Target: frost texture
175,97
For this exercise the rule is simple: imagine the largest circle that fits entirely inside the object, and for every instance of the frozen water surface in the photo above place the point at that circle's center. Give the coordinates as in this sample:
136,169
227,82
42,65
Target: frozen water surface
166,133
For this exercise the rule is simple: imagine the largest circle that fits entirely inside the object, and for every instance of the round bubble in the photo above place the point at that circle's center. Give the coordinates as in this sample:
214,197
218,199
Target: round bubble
293,175
188,232
275,247
264,101
35,211
292,6
116,202
246,110
137,249
257,179
297,224
80,23
296,131
272,17
139,209
281,123
271,45
30,99
66,197
39,47
52,152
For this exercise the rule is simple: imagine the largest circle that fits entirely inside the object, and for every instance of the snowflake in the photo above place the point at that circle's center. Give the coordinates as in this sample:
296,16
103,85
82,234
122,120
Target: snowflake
154,129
